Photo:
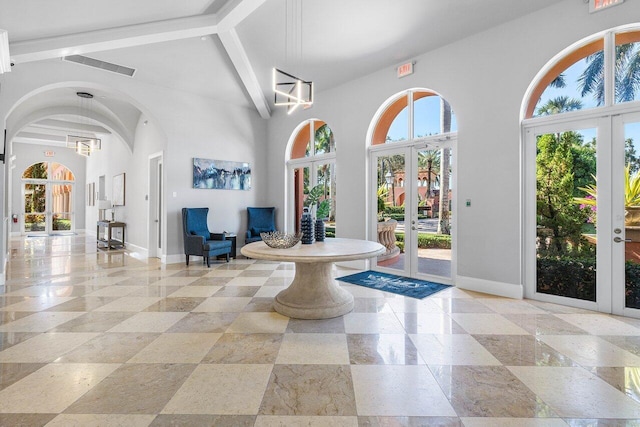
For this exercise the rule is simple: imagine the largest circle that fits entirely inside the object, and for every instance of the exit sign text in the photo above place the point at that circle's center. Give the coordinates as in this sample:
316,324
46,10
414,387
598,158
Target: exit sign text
597,5
405,69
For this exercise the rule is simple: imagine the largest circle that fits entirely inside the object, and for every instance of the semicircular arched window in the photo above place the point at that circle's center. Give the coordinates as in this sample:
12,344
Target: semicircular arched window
578,80
417,114
52,171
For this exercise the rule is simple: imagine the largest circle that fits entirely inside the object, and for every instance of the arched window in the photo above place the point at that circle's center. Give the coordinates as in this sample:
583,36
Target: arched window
576,81
405,120
311,165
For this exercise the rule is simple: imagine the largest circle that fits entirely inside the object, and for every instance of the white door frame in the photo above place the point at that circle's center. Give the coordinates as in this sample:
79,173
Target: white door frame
410,151
48,214
603,167
306,162
156,208
618,275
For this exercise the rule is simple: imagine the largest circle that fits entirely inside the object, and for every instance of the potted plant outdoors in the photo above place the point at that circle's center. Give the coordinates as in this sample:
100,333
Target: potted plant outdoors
323,209
631,197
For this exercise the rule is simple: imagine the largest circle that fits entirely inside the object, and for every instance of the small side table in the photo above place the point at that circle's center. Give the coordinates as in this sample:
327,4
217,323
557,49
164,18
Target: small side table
109,242
232,237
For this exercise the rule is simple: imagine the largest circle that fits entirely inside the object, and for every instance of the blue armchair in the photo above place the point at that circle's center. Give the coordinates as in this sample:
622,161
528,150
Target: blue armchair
259,220
197,238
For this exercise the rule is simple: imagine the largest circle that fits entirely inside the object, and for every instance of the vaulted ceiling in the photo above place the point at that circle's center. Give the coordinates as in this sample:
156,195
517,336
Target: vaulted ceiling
225,49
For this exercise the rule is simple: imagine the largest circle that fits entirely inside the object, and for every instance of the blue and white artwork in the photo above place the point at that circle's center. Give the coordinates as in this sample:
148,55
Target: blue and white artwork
221,174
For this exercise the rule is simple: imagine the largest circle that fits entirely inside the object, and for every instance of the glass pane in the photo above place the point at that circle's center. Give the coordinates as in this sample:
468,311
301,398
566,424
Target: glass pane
61,221
632,215
580,86
434,230
628,71
566,208
36,171
391,212
324,141
34,222
61,206
301,190
61,173
427,121
399,129
324,196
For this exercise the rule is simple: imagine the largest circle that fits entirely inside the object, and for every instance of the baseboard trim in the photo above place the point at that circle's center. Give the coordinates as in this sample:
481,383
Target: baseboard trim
136,251
176,258
502,289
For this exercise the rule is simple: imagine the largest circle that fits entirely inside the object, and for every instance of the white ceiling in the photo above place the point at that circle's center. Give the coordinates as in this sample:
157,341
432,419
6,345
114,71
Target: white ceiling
225,49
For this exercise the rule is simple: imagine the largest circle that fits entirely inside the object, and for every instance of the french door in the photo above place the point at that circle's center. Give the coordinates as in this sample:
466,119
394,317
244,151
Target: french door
304,175
47,207
580,249
413,202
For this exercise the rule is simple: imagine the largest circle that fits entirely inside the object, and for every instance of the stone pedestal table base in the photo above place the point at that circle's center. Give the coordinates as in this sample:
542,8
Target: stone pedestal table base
313,294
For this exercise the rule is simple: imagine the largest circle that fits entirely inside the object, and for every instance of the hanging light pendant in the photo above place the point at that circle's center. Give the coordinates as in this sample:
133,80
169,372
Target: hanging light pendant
84,145
289,90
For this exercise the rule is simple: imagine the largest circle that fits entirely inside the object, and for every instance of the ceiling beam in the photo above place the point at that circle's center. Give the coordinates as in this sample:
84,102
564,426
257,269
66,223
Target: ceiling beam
240,60
236,11
113,38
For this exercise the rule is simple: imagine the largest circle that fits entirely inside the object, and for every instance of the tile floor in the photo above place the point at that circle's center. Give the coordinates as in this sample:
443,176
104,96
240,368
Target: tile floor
94,338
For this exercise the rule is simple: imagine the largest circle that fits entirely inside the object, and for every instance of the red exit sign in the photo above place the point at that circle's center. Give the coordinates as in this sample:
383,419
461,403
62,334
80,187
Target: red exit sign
597,5
405,69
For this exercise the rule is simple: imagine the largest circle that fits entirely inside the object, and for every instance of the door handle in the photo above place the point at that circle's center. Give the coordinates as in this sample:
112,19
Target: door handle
619,239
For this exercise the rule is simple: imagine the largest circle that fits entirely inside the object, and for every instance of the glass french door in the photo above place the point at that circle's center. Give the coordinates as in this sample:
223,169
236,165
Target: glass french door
47,207
626,215
304,176
413,200
581,246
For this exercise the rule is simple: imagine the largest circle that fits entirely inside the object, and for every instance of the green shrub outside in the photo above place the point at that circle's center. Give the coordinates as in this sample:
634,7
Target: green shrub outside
428,240
569,277
61,224
632,290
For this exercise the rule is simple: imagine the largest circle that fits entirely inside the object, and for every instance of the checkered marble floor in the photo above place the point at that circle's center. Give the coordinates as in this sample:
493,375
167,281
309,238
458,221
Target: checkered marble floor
95,338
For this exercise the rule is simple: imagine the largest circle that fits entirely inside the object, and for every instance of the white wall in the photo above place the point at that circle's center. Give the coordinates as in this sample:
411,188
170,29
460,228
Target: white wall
28,154
484,78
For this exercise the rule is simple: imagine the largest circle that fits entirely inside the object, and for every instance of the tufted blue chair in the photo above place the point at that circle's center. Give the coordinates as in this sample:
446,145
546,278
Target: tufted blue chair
259,220
197,238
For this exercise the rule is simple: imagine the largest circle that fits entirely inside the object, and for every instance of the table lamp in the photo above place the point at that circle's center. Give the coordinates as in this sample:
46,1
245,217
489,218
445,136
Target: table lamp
103,205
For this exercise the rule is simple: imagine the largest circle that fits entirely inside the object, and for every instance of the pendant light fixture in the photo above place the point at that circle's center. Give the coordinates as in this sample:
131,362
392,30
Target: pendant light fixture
84,145
288,89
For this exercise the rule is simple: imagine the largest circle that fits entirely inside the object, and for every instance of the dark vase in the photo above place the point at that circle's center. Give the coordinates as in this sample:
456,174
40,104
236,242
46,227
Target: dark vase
306,227
320,231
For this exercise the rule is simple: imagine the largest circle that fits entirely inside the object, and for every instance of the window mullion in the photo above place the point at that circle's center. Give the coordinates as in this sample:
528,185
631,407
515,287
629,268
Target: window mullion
609,68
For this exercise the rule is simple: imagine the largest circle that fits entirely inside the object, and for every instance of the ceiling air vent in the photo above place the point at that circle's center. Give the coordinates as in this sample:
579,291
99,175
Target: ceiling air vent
107,66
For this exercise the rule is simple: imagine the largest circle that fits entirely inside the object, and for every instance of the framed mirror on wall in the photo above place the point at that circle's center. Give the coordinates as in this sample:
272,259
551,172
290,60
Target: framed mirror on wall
119,190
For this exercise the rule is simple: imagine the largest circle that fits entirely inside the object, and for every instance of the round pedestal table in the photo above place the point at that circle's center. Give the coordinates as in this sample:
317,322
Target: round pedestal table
314,293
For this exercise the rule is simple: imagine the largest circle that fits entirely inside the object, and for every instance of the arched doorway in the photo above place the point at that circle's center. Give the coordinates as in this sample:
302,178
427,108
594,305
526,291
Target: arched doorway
411,158
311,174
581,135
47,199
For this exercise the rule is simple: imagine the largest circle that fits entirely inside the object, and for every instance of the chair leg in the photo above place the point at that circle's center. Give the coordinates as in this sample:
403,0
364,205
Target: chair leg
208,262
227,257
187,260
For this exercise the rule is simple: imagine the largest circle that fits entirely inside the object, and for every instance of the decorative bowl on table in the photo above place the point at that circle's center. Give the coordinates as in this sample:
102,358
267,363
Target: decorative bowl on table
280,240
